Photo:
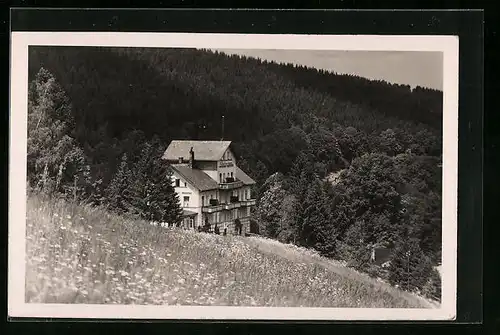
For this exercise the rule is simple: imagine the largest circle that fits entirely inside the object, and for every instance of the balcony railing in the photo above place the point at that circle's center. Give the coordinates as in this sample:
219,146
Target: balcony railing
249,202
227,206
212,209
230,185
232,205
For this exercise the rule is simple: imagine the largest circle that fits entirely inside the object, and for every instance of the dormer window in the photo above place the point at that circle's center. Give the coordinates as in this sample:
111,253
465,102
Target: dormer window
177,182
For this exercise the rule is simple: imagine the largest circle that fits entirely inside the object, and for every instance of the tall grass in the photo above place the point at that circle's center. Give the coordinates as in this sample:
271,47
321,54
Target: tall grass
80,254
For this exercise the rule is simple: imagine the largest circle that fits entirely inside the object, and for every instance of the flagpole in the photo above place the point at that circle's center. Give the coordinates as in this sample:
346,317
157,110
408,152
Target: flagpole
222,135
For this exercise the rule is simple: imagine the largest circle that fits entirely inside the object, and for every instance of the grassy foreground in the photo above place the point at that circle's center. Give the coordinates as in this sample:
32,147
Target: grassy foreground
80,254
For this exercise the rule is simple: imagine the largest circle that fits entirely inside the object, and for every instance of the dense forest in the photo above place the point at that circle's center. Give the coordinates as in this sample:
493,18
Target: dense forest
342,163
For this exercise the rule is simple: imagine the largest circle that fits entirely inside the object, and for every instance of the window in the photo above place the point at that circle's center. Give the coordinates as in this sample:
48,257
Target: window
248,195
185,184
203,200
220,177
231,175
177,182
186,201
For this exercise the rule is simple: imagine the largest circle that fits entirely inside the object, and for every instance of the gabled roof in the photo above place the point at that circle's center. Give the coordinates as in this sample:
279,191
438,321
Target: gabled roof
195,177
240,175
203,150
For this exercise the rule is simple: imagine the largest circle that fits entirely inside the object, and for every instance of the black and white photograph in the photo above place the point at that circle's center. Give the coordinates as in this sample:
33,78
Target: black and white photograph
193,176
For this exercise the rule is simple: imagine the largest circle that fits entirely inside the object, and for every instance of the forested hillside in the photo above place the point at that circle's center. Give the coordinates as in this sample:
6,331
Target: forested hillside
294,129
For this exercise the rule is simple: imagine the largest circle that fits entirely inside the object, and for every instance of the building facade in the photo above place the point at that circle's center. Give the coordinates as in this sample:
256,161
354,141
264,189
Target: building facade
212,189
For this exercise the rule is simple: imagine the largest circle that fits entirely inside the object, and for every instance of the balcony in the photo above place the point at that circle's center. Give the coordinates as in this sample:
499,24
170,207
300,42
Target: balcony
230,184
215,206
232,205
222,206
212,208
249,202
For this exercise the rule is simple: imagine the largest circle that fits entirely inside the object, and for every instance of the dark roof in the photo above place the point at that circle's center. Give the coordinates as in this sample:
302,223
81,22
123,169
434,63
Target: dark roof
240,175
195,177
203,150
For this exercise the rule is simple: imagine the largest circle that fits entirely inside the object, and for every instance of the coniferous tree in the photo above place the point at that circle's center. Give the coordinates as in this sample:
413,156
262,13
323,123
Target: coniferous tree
432,288
164,201
410,267
55,161
302,174
269,208
136,195
118,185
151,194
315,228
288,229
368,206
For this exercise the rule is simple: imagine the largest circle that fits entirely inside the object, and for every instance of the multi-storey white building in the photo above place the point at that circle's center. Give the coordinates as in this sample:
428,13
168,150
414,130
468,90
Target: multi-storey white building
210,185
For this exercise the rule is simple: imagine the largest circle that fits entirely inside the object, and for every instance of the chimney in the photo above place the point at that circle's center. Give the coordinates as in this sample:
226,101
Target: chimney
191,158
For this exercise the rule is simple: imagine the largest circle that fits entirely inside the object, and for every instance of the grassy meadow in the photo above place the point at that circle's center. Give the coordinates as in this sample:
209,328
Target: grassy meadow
82,254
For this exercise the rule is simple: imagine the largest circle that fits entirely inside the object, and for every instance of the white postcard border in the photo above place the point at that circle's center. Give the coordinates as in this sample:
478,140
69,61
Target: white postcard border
20,41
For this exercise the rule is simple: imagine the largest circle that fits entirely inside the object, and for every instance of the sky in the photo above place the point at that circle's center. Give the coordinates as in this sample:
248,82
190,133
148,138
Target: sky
414,68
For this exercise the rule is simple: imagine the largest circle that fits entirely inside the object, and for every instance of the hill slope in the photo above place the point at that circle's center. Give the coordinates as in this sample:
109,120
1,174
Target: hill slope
81,254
